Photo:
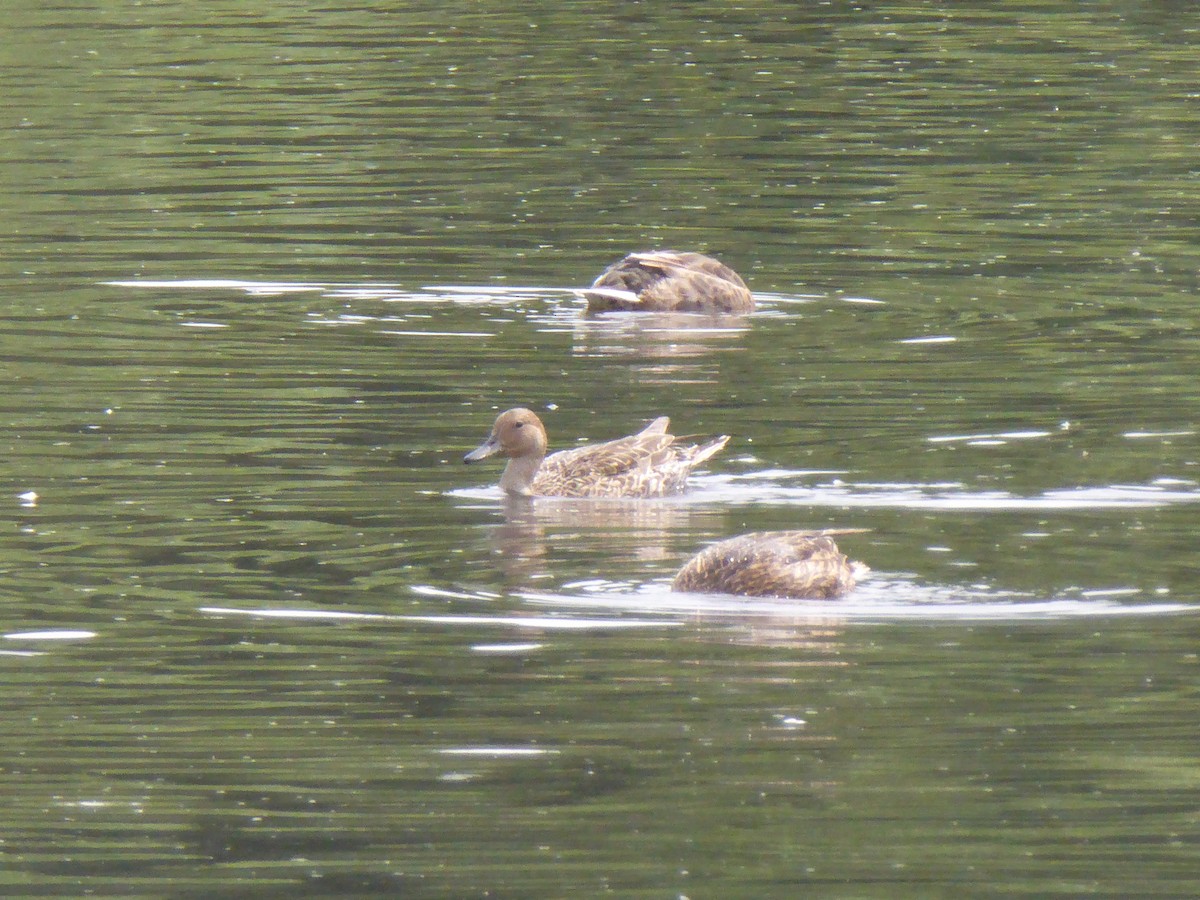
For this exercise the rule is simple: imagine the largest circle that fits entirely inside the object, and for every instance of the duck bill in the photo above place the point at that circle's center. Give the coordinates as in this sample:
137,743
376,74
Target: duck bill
483,451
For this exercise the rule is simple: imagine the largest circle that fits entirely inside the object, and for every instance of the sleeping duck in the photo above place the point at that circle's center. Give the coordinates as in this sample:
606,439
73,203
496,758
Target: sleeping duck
799,565
646,464
669,281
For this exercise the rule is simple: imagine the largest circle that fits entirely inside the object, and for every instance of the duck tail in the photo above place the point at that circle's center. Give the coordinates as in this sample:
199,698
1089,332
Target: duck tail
658,426
707,451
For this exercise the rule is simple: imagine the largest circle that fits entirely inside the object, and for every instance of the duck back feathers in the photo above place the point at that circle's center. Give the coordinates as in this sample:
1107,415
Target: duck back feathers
669,281
803,565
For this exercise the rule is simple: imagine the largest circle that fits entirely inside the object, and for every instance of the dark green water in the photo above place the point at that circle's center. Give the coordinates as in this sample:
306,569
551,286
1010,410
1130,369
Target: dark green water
267,274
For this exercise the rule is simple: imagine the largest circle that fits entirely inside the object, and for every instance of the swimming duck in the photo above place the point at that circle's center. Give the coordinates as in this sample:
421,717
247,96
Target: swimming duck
646,464
799,565
669,281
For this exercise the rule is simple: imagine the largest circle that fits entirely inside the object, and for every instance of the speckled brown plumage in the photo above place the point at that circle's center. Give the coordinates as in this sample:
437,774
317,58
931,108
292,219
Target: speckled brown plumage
646,464
802,565
669,281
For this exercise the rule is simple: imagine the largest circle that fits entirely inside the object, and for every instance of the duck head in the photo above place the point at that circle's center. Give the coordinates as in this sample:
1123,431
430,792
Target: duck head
516,434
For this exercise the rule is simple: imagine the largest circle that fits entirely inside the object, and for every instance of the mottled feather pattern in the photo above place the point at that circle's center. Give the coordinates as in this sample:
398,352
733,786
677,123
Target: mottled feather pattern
671,281
611,458
787,564
636,466
647,464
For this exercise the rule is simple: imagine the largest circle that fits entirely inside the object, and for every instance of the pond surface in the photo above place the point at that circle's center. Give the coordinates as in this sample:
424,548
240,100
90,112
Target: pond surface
267,276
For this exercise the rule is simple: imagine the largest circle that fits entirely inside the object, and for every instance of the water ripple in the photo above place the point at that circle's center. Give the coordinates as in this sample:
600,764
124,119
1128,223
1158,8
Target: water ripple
880,599
544,623
772,487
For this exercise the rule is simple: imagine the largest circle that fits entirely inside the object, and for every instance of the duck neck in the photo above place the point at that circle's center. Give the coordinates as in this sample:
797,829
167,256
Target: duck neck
519,474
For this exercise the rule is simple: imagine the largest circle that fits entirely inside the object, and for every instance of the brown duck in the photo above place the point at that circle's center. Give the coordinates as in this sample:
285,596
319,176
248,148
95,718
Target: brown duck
799,565
646,464
669,281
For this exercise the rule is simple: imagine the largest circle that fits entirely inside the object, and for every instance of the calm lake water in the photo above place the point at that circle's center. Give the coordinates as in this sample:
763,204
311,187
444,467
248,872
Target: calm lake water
269,272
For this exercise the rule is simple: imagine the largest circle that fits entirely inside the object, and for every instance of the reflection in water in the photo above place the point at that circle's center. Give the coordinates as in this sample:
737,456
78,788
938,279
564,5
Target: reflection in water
640,530
668,348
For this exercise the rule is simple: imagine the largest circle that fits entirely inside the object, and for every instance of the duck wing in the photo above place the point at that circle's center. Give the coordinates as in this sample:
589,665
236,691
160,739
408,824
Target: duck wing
797,564
648,464
610,459
669,280
689,282
672,263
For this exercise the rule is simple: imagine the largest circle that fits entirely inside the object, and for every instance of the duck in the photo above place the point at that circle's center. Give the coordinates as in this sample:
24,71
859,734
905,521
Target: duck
669,281
647,464
796,565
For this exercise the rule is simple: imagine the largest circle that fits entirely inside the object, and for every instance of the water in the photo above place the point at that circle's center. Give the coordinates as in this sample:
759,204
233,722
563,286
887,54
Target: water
267,276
